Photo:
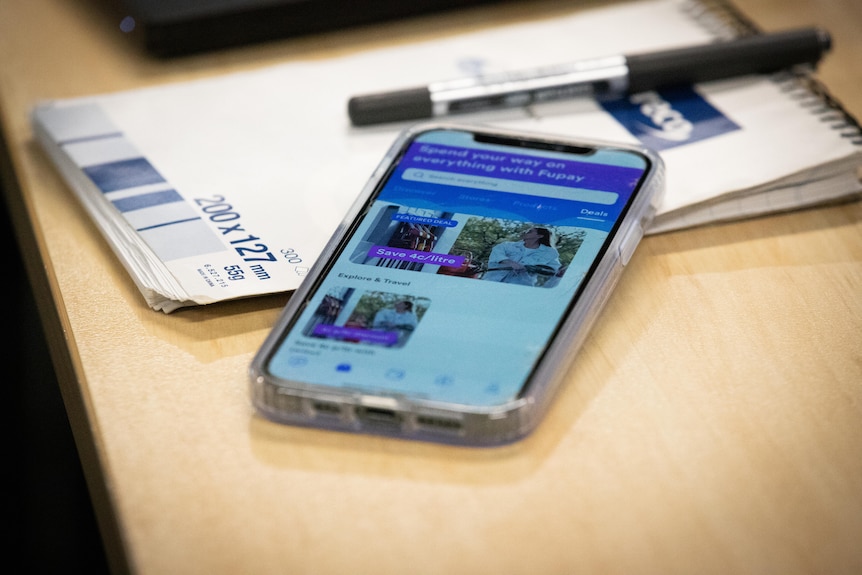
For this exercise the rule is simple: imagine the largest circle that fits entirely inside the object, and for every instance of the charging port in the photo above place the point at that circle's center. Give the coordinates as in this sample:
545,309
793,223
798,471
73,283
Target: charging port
378,416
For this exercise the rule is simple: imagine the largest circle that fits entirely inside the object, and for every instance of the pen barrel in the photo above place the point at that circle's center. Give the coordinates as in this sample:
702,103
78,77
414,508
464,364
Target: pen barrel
757,54
397,106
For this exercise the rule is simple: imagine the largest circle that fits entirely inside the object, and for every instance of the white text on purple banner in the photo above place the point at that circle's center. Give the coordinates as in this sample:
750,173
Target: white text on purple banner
415,256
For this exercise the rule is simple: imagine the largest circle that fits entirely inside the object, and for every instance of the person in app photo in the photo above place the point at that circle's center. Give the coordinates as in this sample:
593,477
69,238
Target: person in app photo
523,261
399,318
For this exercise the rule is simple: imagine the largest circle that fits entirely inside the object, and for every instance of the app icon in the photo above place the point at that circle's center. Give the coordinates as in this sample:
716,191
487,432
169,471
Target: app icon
444,380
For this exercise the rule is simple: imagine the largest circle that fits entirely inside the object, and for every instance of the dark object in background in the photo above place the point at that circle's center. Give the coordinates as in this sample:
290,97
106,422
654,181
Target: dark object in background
50,521
168,28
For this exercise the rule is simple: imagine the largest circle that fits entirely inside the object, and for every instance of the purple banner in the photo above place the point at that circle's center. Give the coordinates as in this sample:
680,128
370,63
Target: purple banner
524,168
356,334
415,256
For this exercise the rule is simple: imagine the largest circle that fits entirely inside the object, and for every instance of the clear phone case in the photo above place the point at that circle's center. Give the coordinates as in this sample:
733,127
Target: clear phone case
397,415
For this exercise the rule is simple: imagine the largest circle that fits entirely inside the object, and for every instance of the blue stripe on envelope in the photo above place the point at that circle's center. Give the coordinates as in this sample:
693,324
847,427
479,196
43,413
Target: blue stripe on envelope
147,200
123,175
182,239
169,224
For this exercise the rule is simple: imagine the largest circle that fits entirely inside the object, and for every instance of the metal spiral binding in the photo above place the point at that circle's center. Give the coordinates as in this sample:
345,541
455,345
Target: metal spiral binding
725,21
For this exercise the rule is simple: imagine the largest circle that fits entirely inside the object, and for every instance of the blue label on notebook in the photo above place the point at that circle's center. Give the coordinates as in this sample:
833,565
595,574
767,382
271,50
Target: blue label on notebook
668,118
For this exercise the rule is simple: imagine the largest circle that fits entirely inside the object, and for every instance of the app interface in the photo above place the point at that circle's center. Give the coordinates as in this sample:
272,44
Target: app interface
460,271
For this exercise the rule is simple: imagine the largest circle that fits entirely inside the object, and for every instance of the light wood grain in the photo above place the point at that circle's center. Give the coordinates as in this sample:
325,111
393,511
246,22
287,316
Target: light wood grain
712,422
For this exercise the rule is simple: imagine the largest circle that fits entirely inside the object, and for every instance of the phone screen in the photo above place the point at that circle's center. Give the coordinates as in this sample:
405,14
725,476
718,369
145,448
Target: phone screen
455,277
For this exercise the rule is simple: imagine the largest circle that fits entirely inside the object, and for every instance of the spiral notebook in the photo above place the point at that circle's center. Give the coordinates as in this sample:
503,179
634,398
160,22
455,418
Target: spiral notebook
229,187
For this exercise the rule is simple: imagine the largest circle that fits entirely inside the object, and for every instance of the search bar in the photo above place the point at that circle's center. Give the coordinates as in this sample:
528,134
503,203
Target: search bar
513,186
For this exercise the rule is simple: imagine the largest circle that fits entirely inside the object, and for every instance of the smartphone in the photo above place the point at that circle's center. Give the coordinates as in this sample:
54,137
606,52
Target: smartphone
451,300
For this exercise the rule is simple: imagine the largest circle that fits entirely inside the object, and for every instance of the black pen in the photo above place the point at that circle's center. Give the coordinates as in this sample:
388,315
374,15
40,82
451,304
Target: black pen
607,76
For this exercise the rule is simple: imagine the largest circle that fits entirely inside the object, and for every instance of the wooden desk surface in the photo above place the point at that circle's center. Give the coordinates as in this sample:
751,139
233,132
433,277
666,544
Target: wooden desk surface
713,423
